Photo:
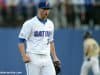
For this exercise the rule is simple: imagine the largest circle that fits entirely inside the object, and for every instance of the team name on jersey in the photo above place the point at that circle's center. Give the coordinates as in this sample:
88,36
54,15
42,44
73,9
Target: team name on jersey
42,33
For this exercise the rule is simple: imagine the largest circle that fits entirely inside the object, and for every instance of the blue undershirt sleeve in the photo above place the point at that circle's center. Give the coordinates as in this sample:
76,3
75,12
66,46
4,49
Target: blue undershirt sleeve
21,40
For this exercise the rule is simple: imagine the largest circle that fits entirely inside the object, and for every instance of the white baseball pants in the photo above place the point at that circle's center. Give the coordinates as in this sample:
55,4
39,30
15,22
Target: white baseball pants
92,64
40,65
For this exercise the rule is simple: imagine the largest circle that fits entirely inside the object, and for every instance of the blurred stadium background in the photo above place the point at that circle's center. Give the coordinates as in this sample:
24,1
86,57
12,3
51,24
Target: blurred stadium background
71,18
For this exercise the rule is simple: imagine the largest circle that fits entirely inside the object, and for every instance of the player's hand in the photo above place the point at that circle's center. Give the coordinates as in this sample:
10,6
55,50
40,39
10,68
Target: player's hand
57,65
26,58
56,59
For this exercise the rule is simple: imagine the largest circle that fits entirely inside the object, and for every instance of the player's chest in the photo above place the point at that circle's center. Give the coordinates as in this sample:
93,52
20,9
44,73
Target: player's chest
42,27
42,30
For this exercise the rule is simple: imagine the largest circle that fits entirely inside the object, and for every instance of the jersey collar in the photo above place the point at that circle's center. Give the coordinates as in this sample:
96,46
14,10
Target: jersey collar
43,21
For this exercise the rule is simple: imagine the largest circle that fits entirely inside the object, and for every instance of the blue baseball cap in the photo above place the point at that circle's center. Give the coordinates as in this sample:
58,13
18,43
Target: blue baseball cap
44,5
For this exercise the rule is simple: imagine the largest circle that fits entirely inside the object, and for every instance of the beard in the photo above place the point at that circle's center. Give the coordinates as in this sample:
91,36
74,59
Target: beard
44,16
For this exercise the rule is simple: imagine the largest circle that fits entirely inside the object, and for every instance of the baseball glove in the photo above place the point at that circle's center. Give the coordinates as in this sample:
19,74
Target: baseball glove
57,66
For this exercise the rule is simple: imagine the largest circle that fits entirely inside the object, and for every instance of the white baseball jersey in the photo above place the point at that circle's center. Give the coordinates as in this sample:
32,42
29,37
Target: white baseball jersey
38,35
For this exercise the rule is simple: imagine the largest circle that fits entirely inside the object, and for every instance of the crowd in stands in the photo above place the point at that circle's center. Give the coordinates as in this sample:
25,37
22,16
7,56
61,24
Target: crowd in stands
64,13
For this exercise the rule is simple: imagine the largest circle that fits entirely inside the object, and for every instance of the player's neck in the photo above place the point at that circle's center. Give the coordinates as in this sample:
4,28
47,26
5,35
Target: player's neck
40,17
42,20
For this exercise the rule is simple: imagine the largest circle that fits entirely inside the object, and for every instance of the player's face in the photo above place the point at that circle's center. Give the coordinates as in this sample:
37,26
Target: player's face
44,13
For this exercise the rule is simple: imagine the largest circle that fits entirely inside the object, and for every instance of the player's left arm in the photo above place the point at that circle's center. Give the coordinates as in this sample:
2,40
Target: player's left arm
53,51
52,46
56,61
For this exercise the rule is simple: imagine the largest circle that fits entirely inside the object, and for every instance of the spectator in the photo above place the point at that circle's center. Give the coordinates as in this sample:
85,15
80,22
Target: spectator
34,7
78,9
97,11
23,5
61,10
11,9
54,12
58,18
89,19
26,9
2,10
70,15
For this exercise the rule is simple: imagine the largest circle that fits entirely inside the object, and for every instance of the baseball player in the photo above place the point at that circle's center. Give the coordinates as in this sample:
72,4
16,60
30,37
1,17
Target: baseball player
91,53
38,34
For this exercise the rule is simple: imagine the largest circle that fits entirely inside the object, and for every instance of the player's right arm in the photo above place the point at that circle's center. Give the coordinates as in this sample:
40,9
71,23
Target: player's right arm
23,36
21,47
